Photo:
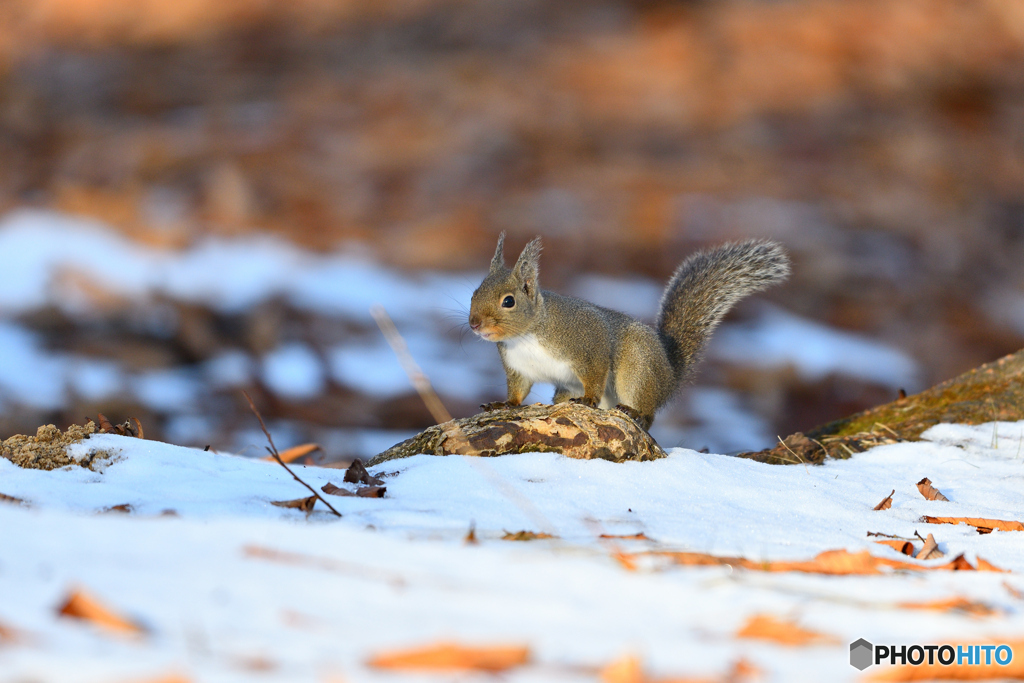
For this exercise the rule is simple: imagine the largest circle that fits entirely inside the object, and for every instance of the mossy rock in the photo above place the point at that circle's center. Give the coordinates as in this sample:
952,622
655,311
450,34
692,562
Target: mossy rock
994,391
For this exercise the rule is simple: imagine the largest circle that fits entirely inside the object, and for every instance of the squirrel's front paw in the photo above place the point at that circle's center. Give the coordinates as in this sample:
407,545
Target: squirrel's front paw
495,405
583,400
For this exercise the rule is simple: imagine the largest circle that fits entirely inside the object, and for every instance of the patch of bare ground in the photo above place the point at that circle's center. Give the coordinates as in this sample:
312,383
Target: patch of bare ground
47,450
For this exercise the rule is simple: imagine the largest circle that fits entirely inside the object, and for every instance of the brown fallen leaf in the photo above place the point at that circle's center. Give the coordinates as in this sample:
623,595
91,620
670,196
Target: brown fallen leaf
11,499
105,426
123,508
130,427
135,427
333,490
958,671
453,657
295,452
905,547
835,562
304,504
929,491
362,491
930,550
984,526
81,605
886,502
525,535
357,474
371,491
470,538
972,607
639,536
766,627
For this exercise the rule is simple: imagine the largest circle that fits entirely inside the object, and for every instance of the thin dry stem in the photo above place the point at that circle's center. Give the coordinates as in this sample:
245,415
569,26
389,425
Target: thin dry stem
419,380
273,452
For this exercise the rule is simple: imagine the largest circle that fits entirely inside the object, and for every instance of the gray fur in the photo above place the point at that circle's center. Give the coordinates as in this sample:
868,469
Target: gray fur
498,260
613,358
705,287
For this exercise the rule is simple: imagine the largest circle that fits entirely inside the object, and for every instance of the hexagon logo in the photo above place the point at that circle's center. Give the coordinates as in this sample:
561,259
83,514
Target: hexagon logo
861,654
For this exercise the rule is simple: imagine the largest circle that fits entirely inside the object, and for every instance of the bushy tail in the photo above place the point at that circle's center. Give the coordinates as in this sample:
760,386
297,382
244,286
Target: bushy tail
705,287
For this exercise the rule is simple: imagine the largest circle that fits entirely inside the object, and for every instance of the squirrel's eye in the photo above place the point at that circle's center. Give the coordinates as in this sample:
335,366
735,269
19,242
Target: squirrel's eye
508,302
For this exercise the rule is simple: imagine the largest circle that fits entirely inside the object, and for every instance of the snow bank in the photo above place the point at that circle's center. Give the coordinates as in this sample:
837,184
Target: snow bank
317,597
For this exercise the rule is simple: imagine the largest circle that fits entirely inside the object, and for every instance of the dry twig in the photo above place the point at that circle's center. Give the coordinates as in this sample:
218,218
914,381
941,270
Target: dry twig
277,457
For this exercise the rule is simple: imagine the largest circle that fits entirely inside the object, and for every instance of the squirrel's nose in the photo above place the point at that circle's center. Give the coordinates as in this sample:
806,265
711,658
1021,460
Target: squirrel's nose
474,322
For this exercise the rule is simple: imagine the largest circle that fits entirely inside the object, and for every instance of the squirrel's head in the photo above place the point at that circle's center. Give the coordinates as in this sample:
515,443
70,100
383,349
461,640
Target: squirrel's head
506,302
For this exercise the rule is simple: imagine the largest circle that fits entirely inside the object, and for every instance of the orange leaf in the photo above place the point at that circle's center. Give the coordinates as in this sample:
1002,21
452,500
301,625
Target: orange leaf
625,560
81,605
525,535
886,502
984,526
929,491
986,566
639,536
9,634
958,672
304,504
837,562
453,657
930,550
905,547
295,452
765,627
952,605
625,669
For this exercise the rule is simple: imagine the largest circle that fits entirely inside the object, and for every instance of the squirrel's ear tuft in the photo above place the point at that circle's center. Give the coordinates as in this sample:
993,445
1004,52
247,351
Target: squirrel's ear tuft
528,266
498,260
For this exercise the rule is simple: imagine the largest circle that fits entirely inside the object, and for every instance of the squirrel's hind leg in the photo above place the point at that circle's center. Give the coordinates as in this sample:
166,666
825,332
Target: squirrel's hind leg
562,394
644,421
643,375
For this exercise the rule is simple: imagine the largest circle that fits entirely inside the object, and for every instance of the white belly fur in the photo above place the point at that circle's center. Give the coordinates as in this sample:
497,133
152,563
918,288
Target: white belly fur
526,356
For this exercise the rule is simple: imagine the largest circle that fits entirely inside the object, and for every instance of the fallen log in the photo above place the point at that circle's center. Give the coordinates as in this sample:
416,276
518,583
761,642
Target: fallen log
572,429
991,392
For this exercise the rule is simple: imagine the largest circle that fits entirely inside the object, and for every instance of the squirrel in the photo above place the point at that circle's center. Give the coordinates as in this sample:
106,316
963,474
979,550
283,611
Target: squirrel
601,357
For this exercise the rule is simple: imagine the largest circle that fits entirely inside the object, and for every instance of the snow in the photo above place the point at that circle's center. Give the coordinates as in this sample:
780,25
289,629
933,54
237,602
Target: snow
294,371
28,374
318,596
227,275
779,338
